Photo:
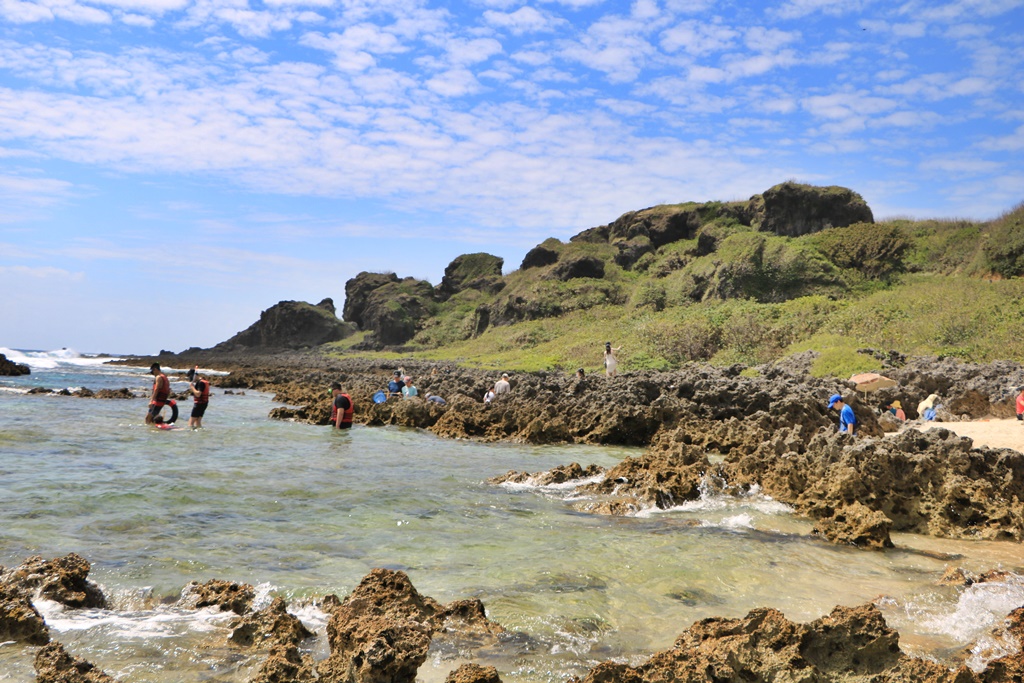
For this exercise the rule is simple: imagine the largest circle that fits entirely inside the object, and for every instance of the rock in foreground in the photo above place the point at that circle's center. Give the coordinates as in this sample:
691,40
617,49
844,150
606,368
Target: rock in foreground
850,645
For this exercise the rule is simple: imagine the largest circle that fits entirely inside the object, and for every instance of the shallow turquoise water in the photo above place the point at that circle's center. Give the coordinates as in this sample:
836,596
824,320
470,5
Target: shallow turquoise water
303,511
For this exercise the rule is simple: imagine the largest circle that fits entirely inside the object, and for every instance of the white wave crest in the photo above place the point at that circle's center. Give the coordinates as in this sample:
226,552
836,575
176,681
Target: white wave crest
48,360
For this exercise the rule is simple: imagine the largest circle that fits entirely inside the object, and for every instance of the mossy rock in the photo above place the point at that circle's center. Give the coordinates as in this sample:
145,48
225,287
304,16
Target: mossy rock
793,209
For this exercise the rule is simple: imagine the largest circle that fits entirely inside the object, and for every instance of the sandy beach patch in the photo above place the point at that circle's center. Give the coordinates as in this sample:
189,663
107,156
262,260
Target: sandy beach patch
992,433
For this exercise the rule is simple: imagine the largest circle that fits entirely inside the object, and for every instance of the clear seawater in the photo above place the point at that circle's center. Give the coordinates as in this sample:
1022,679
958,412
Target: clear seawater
301,511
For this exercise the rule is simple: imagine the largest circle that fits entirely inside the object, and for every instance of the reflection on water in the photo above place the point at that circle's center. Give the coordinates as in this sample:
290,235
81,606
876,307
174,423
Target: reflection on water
303,511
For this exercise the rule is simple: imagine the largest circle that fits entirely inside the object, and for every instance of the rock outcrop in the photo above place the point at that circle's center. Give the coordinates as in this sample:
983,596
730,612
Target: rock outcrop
53,664
394,311
381,632
472,271
290,325
357,290
792,209
279,633
229,596
20,621
62,579
12,369
850,645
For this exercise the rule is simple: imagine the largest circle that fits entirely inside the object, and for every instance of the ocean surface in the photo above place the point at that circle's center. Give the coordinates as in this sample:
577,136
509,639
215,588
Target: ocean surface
302,511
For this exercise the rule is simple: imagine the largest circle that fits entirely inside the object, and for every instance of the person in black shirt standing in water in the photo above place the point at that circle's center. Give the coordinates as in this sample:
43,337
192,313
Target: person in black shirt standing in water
200,390
341,408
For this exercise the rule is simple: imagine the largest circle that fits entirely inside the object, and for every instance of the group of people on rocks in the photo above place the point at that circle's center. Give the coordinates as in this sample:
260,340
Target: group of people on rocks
342,407
926,410
198,386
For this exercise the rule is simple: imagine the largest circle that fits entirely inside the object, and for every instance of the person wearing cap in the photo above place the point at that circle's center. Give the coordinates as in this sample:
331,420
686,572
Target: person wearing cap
847,420
395,384
200,390
502,386
896,408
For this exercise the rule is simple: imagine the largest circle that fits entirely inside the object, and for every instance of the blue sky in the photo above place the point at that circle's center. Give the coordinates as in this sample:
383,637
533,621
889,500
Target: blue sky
170,168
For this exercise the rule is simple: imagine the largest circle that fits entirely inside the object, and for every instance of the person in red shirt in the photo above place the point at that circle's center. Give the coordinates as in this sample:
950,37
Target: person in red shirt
1020,404
161,393
199,387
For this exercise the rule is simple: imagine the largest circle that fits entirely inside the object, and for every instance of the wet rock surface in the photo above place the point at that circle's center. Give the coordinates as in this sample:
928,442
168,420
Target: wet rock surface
229,596
269,627
12,369
473,673
381,632
54,664
62,579
20,621
850,645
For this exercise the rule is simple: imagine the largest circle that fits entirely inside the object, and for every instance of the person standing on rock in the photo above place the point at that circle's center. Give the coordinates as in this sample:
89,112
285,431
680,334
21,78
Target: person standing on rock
611,363
342,408
200,390
161,393
502,386
847,420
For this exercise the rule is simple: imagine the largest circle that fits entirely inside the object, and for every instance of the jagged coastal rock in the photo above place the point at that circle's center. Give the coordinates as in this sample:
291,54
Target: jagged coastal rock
381,632
53,664
850,645
12,369
291,325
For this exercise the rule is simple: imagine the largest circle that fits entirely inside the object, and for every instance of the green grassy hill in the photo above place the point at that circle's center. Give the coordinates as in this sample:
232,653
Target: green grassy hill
733,283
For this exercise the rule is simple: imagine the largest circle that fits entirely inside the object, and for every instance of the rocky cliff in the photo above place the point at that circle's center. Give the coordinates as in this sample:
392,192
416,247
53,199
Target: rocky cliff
721,250
290,325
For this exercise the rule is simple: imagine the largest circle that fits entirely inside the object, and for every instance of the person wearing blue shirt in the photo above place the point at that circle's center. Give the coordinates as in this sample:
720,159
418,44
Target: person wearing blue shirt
847,420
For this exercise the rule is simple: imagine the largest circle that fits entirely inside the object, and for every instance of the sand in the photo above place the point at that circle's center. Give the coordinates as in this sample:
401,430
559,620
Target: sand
990,433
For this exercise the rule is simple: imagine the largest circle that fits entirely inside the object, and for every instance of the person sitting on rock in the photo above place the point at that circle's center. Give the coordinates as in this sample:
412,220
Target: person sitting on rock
847,420
897,409
395,384
409,391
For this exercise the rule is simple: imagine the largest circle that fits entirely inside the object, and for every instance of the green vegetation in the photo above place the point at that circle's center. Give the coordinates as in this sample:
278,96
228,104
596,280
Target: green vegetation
724,292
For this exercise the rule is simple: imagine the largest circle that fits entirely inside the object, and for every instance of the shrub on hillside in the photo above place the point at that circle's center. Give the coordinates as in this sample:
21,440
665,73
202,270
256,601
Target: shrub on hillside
1004,250
874,249
749,265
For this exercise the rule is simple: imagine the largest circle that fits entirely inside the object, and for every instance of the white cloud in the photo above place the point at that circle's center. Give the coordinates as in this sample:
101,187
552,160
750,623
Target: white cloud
19,12
698,38
466,52
33,190
1013,142
532,57
762,39
797,9
41,273
454,83
846,105
357,47
523,20
613,45
140,20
